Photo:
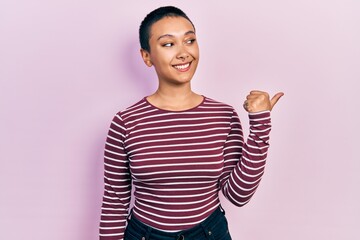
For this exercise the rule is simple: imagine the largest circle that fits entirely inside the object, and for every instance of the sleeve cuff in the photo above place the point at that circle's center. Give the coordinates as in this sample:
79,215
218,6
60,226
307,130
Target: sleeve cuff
260,117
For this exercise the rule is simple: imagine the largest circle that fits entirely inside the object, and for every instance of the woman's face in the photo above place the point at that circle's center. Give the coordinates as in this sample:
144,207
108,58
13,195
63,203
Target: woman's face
174,51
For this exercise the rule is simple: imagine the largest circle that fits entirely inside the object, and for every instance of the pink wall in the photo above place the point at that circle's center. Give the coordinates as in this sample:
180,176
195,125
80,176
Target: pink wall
67,66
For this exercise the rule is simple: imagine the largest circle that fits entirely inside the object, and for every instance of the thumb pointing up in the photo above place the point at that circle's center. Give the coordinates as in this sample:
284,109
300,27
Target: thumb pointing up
258,101
275,99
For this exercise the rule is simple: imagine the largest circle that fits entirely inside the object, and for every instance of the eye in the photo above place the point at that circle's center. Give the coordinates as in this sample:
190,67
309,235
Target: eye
190,41
167,44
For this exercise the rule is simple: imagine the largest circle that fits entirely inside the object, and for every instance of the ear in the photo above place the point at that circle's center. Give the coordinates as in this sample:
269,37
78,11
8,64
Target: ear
146,57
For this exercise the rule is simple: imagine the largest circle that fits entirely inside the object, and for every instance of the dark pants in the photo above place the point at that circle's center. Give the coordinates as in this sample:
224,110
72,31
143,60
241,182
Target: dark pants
215,227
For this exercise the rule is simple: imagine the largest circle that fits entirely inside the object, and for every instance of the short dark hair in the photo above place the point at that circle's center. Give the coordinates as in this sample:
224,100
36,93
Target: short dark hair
153,17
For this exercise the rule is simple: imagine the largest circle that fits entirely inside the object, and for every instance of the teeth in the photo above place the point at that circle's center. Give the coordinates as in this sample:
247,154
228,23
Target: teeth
182,66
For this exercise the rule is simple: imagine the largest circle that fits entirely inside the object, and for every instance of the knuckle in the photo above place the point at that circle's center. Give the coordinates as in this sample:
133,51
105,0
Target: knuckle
262,97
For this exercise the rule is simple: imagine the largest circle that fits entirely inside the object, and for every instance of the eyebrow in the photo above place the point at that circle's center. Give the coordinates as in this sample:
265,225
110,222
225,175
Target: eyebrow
169,35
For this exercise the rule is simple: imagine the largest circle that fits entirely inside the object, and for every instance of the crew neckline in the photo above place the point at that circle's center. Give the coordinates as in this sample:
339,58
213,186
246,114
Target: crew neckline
175,111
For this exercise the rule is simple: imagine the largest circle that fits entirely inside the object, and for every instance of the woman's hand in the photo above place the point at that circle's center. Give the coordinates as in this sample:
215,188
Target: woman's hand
258,101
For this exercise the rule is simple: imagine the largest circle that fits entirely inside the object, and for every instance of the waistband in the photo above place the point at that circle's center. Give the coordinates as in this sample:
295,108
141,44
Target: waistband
212,220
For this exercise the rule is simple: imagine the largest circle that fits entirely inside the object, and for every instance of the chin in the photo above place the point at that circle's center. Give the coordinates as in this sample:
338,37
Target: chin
179,81
184,79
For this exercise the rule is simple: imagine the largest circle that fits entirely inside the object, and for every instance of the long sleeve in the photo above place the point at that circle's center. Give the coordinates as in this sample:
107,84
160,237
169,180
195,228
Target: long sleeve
117,183
244,163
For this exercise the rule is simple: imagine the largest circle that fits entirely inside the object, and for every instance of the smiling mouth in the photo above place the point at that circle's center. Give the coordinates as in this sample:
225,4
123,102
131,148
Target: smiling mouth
182,67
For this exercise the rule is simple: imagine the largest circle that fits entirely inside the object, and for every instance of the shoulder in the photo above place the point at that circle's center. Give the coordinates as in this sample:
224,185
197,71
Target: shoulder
132,109
121,117
215,103
225,108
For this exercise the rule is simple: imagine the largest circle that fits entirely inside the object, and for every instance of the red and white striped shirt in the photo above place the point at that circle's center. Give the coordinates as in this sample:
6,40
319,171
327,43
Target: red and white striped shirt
178,161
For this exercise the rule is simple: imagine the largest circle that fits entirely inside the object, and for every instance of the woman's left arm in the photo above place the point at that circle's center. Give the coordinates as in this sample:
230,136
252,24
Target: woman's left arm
244,162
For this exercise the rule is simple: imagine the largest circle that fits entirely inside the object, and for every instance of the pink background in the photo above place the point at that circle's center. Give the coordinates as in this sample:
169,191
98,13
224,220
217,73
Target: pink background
66,67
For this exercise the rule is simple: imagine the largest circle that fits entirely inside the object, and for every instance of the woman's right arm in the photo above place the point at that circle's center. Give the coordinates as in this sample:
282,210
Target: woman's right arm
117,180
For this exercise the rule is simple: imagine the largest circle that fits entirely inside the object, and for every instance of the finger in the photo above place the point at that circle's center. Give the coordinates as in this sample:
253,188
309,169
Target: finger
253,96
246,105
248,97
257,92
276,98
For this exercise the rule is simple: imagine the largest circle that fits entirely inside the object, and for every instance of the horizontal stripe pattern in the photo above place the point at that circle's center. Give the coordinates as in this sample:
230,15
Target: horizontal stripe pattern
178,161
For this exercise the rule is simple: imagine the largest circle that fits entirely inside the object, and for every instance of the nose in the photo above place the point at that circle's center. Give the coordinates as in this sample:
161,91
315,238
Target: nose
182,54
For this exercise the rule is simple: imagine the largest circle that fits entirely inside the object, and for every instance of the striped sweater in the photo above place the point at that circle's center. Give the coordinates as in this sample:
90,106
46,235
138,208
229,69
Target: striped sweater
178,161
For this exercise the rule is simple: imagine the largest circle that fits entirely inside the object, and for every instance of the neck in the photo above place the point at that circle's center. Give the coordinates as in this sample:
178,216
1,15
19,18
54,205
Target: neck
179,97
174,93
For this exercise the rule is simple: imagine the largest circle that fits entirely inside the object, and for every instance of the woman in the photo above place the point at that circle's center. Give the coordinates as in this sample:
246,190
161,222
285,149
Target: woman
179,148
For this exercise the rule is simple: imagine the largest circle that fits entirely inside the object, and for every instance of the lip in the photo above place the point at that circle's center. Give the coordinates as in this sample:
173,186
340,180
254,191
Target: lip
182,69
